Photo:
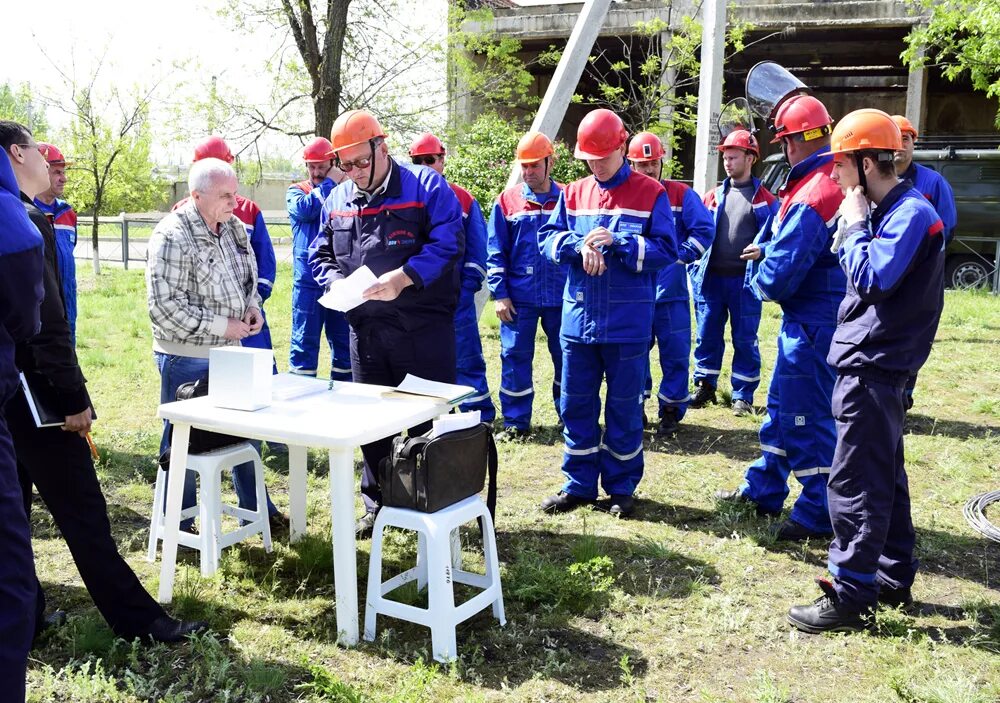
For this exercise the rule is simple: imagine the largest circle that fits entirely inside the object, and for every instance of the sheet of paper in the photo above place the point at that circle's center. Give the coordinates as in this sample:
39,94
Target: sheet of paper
286,386
345,294
415,385
453,422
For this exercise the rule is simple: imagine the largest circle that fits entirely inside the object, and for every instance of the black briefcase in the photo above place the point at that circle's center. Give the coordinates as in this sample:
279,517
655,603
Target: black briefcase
430,474
200,441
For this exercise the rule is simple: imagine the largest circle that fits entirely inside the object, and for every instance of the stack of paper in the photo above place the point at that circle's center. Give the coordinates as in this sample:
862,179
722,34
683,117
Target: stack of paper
346,293
414,385
286,386
453,422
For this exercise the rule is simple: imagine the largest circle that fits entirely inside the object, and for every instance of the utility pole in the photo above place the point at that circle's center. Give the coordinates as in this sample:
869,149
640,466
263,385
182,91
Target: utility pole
713,46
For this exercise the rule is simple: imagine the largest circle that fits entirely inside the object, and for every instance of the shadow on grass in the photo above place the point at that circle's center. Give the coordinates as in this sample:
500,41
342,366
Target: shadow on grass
738,444
966,556
955,429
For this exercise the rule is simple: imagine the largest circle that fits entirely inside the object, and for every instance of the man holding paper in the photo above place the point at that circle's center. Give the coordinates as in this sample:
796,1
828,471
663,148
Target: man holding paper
404,224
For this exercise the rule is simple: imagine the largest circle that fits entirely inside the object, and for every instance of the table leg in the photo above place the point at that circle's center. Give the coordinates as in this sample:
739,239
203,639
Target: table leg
175,493
345,559
297,492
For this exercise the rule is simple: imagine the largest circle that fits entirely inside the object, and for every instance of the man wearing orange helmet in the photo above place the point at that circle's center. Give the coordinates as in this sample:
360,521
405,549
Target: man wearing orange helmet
742,208
427,150
672,316
405,224
304,201
63,219
894,260
527,287
793,266
613,231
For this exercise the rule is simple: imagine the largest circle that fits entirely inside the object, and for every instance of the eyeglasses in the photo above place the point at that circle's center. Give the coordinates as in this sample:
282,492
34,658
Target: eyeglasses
348,166
425,160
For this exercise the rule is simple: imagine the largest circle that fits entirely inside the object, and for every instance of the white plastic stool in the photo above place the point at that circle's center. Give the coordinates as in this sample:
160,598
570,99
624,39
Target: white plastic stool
210,541
438,567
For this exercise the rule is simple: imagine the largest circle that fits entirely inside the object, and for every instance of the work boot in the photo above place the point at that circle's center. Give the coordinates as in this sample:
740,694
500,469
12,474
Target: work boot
622,505
668,422
736,496
365,526
511,434
828,614
894,597
167,629
280,524
742,408
704,395
791,531
563,502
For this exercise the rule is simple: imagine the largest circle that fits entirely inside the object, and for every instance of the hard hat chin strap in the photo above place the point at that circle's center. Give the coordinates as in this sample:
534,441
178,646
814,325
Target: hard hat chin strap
862,178
371,172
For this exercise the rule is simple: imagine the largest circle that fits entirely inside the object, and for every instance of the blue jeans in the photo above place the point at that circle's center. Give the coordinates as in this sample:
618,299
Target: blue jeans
174,371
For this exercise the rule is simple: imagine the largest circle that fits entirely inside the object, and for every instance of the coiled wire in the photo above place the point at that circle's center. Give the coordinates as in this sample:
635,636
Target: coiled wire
975,514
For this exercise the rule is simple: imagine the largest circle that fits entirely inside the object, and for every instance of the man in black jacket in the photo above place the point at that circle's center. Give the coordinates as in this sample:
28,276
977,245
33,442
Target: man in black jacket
57,460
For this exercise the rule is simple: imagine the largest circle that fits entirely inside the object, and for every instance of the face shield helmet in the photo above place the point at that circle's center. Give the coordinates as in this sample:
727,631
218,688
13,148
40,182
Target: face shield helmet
768,86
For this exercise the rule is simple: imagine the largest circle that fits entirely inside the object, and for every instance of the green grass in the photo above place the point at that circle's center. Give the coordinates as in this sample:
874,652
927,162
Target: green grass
685,602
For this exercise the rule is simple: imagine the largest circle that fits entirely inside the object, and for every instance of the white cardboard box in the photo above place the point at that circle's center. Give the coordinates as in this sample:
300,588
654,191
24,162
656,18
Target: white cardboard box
239,377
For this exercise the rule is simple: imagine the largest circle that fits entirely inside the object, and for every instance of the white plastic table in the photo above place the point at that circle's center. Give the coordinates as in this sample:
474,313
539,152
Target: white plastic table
350,415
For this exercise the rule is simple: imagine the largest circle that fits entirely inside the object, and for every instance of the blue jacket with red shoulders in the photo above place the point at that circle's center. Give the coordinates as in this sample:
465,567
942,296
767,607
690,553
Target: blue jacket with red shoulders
933,186
617,306
765,207
474,268
413,222
694,230
304,202
516,266
797,268
62,216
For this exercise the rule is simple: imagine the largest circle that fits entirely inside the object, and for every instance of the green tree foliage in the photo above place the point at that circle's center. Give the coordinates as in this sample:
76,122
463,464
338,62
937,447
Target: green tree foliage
962,37
18,103
481,162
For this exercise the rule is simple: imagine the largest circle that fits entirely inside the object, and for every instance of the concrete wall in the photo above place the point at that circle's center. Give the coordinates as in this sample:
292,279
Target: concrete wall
269,194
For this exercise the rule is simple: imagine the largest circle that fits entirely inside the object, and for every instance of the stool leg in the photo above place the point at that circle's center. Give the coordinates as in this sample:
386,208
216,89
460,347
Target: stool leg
456,549
262,502
156,519
493,565
421,561
374,597
216,532
440,599
206,523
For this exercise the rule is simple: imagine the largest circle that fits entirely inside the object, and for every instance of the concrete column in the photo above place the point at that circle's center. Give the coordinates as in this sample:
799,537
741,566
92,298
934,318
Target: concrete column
567,75
713,44
916,95
668,82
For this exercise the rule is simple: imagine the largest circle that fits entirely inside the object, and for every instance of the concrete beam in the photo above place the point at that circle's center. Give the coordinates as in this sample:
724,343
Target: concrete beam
713,45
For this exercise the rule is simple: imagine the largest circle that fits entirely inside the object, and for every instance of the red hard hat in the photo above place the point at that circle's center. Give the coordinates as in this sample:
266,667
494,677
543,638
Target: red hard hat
801,114
533,147
599,134
905,126
741,139
213,148
52,154
354,127
426,145
319,149
645,146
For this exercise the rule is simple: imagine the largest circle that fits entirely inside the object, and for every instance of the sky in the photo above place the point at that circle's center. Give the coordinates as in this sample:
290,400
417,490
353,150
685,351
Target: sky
142,40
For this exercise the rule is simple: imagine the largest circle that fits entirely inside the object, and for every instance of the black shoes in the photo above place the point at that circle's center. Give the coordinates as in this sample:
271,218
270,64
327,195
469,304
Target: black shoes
167,629
791,531
741,408
365,526
894,597
622,505
280,524
703,396
563,502
512,434
828,614
668,422
735,496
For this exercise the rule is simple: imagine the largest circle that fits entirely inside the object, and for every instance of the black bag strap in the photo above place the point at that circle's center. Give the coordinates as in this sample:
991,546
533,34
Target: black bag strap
491,489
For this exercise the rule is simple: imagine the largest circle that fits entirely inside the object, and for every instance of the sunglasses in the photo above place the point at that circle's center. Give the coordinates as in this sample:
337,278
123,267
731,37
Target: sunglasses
348,166
425,160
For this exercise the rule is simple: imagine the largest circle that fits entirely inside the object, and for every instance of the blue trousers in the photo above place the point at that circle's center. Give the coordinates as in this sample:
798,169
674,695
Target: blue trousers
724,297
469,361
869,494
672,334
517,353
799,434
174,371
616,456
18,586
309,320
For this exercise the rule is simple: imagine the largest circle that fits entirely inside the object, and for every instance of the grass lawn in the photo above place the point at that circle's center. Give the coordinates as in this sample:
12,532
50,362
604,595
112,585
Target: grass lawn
685,602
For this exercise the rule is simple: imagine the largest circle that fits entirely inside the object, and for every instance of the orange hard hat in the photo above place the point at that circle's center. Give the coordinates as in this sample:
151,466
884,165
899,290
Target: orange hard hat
599,134
740,139
213,148
645,146
354,127
801,114
52,154
905,126
532,147
426,145
317,151
867,128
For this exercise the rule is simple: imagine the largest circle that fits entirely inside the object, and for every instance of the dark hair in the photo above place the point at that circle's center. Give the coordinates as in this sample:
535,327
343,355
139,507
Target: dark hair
883,160
13,133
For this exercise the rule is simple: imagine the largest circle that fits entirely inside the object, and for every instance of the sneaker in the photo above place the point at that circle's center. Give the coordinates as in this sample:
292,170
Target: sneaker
365,526
704,395
563,502
736,496
742,408
828,614
668,422
791,531
894,597
167,629
622,505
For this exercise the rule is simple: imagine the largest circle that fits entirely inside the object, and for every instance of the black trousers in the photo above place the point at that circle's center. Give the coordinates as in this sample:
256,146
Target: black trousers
59,464
383,354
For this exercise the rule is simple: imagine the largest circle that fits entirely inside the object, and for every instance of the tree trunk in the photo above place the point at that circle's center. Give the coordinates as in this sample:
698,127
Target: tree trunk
93,245
326,101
